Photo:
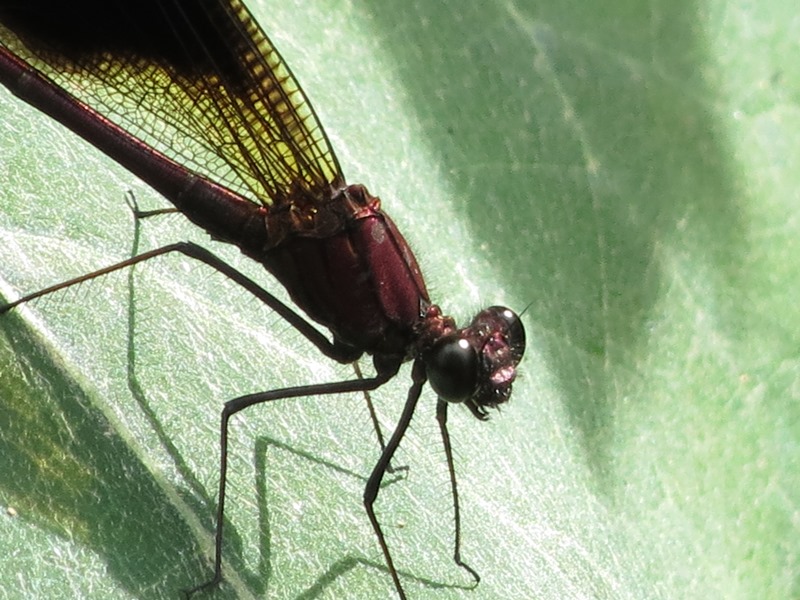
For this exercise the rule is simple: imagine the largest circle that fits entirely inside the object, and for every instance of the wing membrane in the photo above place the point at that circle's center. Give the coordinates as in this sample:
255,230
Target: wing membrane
196,79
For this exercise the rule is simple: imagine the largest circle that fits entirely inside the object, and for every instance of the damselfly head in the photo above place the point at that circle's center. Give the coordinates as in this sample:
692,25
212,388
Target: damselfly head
477,364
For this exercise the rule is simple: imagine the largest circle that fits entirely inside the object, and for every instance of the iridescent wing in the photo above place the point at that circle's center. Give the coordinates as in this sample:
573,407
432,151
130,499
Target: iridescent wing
195,79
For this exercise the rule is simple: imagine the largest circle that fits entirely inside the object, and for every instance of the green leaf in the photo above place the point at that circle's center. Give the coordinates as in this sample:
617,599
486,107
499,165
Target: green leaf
629,172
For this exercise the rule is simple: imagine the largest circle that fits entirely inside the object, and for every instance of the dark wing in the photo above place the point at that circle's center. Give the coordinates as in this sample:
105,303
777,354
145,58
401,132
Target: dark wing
196,79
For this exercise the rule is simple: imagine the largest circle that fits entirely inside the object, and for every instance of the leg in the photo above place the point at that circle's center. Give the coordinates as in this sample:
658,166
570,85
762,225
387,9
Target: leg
441,417
373,484
143,214
238,404
199,253
375,423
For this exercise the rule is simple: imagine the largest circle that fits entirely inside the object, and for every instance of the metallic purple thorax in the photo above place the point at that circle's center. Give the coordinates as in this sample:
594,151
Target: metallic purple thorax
362,281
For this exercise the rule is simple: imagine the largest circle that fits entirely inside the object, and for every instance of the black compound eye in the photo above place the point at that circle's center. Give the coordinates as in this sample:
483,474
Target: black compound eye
452,369
516,332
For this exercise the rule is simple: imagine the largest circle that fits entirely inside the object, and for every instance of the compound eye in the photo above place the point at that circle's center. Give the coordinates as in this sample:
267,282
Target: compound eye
516,332
453,369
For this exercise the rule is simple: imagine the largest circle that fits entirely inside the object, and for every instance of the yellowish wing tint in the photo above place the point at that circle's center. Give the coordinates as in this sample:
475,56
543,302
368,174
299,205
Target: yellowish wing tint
196,79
